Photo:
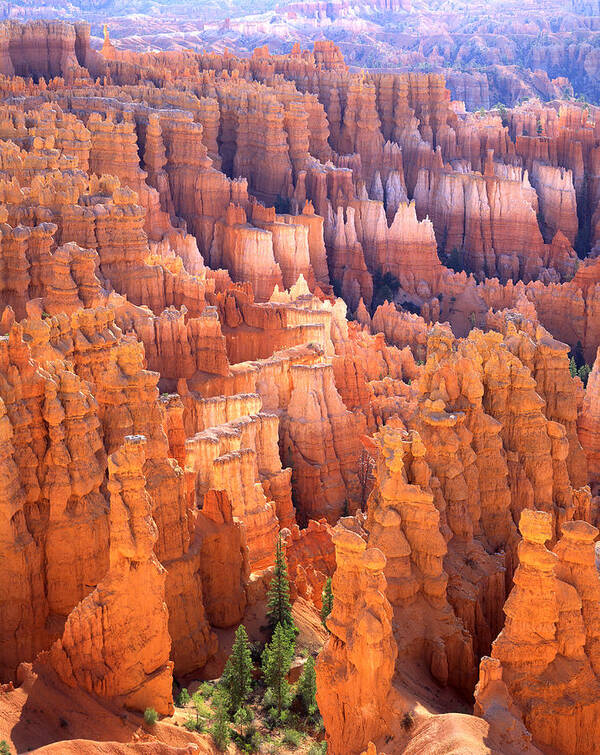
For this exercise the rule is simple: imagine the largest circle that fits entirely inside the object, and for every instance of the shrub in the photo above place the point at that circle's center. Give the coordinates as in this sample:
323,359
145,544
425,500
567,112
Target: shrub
292,738
307,687
243,719
194,724
391,281
183,698
247,738
256,649
274,718
318,749
503,114
4,747
409,306
150,716
385,286
202,710
456,261
407,721
206,689
282,205
255,741
220,733
318,725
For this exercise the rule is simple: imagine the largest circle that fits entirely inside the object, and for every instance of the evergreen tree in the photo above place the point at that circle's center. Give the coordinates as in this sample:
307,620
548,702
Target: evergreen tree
279,608
243,720
202,710
307,686
276,662
237,676
326,601
220,730
584,372
572,367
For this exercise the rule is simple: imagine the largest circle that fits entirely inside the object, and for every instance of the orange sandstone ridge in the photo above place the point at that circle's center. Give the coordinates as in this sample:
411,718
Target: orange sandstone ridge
245,298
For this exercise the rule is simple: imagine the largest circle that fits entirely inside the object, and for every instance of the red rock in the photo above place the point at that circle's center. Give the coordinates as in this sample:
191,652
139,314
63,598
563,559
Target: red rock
404,523
310,557
116,643
544,641
320,443
588,421
355,668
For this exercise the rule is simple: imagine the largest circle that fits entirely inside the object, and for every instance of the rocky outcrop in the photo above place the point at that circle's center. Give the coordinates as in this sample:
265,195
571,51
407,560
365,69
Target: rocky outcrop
247,252
587,426
320,441
355,668
404,523
465,455
45,49
230,457
406,249
347,268
494,703
558,203
489,219
290,244
116,642
546,646
310,558
537,468
55,465
191,248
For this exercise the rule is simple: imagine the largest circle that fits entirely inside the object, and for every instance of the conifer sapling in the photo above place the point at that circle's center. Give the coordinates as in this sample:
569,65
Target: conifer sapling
279,608
276,662
307,686
237,676
326,601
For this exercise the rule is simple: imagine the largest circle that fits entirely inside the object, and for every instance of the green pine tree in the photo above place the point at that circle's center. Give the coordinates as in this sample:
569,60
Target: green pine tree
220,730
237,676
243,720
202,710
572,367
307,686
279,608
326,601
584,372
276,662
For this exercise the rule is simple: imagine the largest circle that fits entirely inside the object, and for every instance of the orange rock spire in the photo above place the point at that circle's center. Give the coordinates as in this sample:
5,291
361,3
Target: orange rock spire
130,662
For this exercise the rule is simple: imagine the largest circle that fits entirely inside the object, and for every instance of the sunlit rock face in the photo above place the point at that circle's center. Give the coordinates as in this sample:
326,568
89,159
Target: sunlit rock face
275,297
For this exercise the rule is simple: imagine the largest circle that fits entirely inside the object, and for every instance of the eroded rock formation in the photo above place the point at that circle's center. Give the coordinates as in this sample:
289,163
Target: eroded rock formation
355,668
256,263
116,642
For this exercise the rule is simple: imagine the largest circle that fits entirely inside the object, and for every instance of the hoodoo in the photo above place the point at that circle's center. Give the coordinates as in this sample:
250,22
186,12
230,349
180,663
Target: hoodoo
300,378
